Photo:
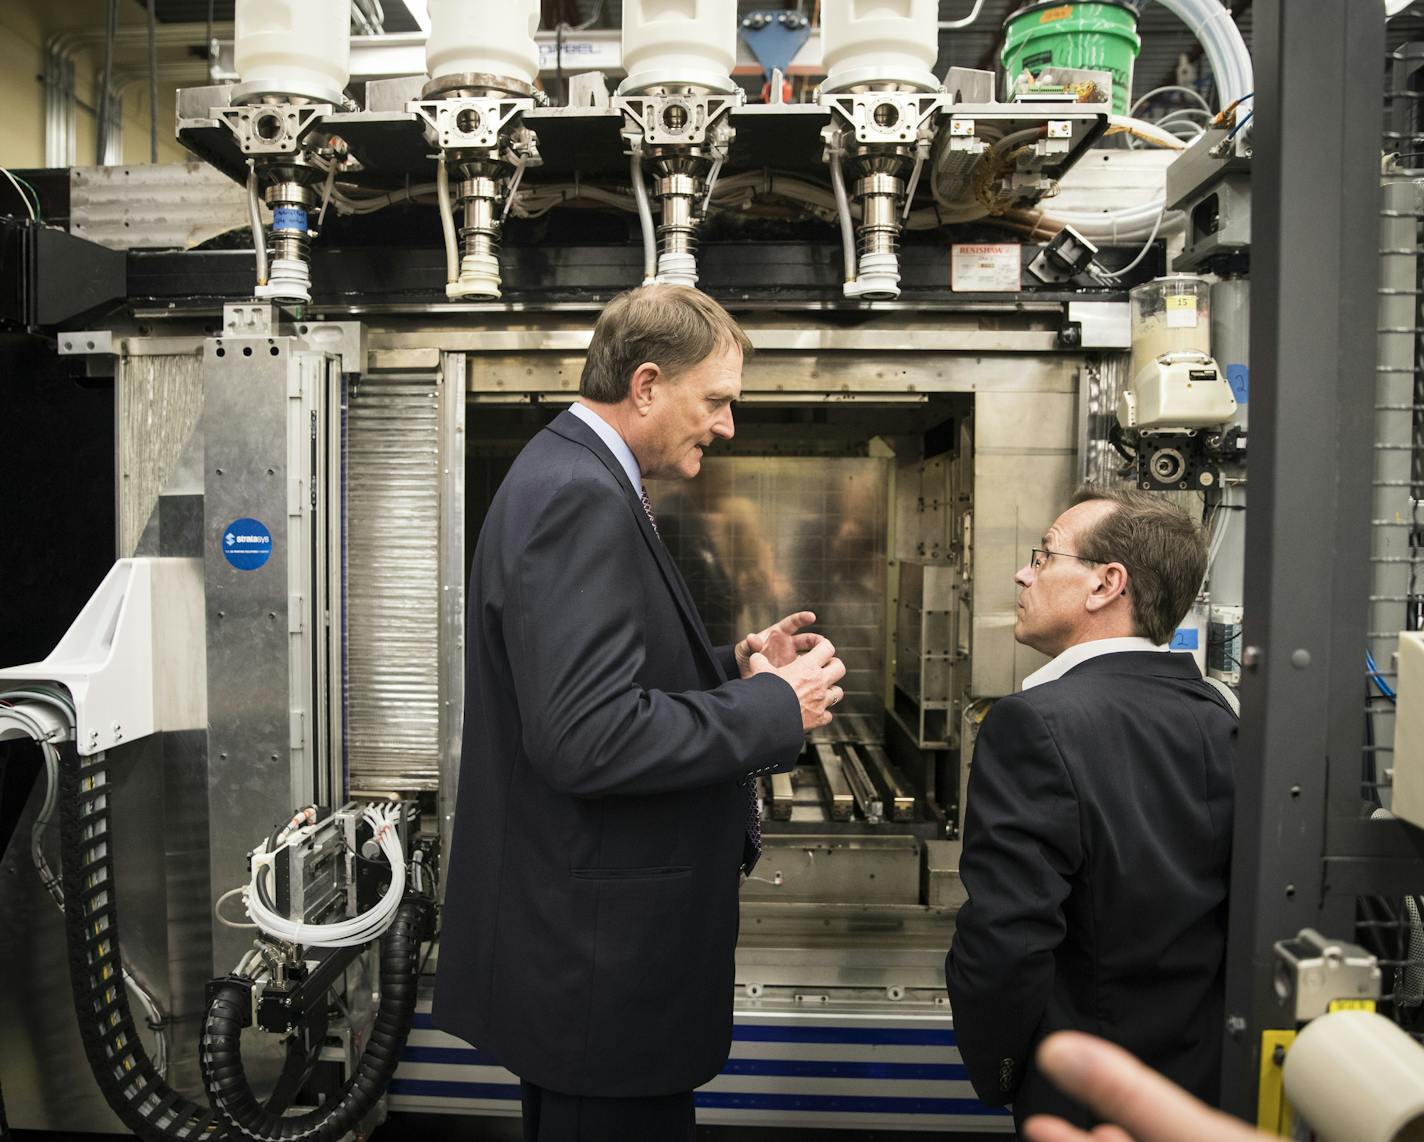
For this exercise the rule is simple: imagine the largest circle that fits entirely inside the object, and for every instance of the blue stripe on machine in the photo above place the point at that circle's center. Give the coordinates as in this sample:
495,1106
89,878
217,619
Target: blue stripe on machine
430,1088
794,1068
844,1104
804,1033
452,1056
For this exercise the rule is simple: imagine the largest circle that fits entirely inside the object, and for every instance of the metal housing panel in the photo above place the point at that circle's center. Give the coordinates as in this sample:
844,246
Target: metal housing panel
249,727
394,604
159,403
1025,467
166,206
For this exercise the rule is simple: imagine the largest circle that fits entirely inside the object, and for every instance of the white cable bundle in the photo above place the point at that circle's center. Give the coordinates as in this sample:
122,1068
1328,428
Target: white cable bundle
347,933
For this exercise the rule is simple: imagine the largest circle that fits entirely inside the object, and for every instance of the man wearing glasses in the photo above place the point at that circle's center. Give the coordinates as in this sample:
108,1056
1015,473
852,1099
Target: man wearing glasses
1097,833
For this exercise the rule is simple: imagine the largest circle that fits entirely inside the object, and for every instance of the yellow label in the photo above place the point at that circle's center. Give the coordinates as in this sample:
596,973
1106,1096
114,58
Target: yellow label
1182,301
1352,1005
1273,1112
1051,14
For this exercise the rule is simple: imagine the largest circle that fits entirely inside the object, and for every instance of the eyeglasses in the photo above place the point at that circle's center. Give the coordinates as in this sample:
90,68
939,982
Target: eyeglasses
1038,556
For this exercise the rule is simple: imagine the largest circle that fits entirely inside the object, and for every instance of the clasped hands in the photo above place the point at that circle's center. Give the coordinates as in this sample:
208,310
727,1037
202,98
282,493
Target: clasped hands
807,662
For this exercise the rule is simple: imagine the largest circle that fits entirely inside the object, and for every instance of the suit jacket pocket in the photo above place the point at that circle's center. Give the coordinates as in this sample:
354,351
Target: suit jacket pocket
655,872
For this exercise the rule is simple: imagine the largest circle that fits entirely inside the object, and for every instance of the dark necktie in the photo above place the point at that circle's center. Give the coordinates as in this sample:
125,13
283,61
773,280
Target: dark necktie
648,507
752,851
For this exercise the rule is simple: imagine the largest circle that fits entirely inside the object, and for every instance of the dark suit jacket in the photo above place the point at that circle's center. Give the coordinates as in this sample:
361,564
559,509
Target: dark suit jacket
1097,846
591,892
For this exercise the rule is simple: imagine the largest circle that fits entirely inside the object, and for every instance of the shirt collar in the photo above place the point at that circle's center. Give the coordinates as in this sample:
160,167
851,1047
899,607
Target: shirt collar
616,444
1079,653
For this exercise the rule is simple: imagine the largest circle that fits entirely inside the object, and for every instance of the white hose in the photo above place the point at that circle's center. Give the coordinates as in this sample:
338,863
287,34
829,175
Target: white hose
447,222
1211,23
838,187
1171,87
353,931
1117,275
645,219
254,215
966,21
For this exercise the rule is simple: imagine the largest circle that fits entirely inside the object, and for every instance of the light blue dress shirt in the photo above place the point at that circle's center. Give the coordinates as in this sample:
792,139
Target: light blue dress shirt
616,444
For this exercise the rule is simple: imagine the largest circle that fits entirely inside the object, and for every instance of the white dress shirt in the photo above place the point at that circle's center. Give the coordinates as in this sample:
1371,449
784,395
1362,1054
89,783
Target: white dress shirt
1083,651
616,444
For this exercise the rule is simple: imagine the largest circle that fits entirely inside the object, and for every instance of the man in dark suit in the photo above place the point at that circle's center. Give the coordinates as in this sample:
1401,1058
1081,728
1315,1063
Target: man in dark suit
611,754
1097,836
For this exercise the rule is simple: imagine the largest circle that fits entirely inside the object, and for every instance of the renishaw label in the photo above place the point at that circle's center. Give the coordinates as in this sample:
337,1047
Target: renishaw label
984,267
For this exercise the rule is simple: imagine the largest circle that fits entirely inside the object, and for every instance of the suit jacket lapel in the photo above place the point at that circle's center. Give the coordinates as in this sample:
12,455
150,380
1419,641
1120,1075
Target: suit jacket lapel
571,428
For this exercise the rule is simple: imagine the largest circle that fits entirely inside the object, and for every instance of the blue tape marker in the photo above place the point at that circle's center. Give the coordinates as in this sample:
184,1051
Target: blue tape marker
1239,378
1184,639
289,218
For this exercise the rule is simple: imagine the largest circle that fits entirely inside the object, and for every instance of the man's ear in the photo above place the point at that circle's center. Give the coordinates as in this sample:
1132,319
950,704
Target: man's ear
641,385
1111,585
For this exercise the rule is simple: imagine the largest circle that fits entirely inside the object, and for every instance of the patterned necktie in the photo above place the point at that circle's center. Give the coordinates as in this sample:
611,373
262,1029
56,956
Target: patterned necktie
753,849
648,507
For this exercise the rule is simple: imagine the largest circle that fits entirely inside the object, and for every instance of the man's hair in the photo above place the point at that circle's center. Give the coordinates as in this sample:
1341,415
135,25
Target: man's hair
1163,550
674,327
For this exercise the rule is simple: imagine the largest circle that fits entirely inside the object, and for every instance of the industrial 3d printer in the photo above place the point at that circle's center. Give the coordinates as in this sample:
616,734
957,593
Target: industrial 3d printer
958,291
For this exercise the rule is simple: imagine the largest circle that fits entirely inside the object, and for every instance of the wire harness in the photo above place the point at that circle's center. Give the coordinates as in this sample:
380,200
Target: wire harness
229,1010
351,932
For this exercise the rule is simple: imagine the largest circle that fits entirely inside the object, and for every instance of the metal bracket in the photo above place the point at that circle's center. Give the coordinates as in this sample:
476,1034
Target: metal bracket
249,319
346,339
888,116
1314,975
272,128
678,120
83,342
468,123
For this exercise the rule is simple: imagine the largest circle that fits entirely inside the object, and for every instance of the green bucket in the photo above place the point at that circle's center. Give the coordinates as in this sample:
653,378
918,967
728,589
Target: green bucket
1101,36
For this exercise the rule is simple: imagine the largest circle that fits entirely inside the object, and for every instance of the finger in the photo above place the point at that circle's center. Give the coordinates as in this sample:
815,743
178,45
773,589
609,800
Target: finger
834,695
826,719
755,643
759,663
792,623
804,642
1046,1128
1119,1088
834,671
821,653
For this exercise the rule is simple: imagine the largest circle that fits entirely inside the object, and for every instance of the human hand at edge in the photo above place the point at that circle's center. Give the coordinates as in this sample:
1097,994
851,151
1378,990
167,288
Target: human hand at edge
781,642
1145,1106
813,676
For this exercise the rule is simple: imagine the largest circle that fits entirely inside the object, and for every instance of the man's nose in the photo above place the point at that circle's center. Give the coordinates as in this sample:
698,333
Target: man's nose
1024,575
723,426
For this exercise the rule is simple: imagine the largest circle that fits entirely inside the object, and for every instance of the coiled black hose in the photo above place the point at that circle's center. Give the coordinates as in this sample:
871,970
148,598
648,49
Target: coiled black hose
144,1102
221,1052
